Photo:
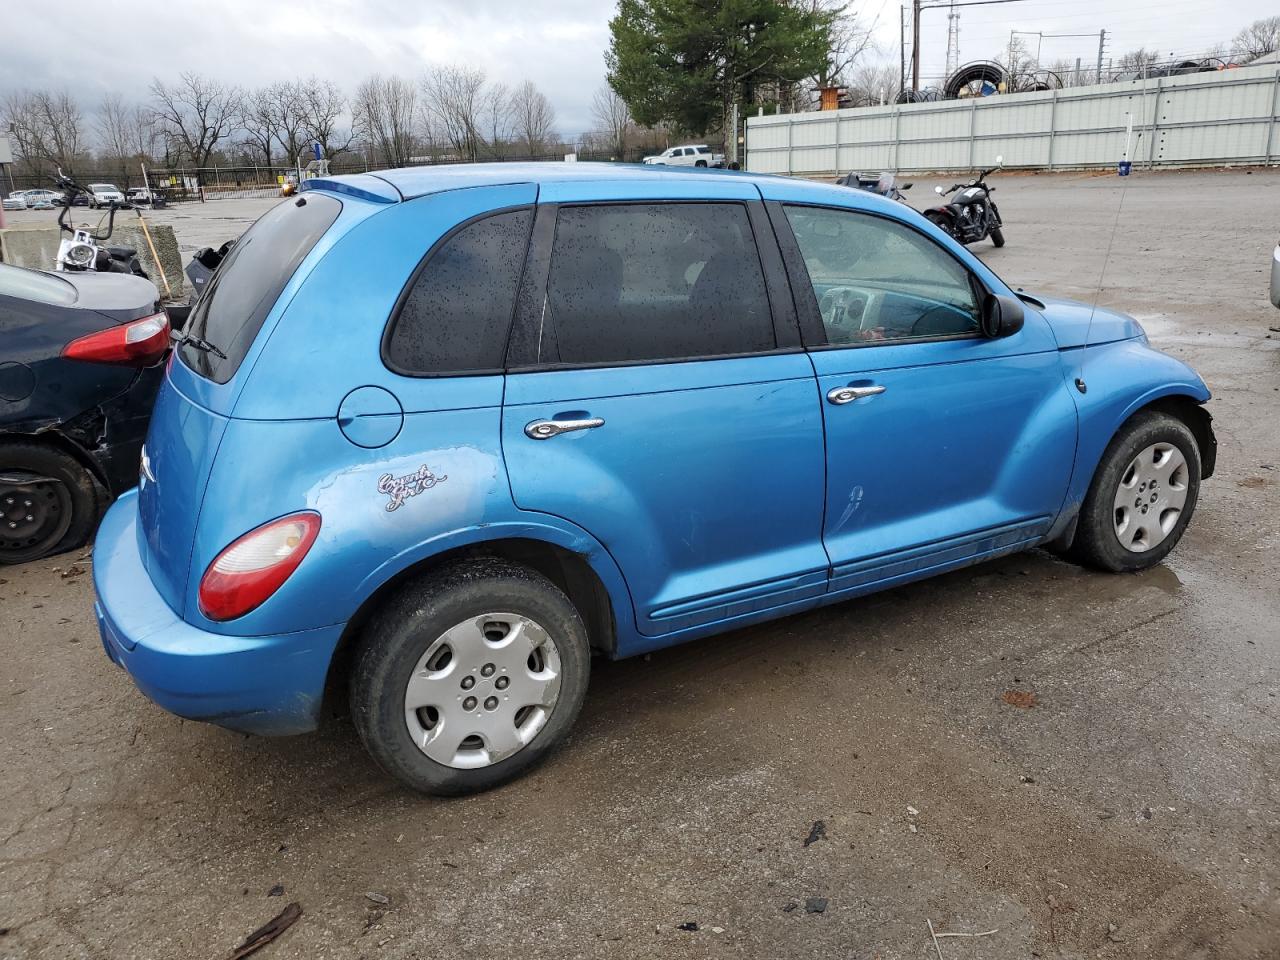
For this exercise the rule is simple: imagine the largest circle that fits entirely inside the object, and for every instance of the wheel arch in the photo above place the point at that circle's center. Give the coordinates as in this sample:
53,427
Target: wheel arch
1175,401
57,440
572,571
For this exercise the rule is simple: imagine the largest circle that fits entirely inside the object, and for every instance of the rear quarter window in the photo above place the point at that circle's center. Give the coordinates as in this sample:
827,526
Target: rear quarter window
248,282
455,313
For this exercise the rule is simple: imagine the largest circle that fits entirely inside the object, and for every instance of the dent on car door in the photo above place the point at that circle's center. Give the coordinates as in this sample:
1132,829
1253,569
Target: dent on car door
654,401
943,446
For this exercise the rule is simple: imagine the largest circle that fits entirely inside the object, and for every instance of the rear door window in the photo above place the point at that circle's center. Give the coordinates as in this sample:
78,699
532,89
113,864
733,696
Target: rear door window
654,281
229,314
456,313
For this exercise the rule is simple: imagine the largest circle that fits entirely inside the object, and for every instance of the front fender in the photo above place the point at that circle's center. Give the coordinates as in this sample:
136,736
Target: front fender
1121,379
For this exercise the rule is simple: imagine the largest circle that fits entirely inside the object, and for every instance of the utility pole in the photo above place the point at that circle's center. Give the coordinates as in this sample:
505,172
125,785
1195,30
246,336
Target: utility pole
1102,43
915,45
902,48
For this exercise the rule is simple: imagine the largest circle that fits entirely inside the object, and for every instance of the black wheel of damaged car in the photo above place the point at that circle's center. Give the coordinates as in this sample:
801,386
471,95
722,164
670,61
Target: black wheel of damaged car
48,502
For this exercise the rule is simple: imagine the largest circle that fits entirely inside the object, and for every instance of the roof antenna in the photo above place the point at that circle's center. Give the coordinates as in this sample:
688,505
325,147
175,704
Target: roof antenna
1124,167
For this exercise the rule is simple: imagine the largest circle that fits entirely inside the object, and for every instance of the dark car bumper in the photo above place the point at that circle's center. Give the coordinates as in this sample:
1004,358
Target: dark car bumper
112,432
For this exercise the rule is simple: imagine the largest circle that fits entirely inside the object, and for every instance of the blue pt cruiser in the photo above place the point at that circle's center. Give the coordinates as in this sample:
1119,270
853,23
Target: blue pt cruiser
441,434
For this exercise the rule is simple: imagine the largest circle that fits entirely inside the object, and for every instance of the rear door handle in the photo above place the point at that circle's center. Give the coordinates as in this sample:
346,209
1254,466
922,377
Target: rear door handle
546,429
843,395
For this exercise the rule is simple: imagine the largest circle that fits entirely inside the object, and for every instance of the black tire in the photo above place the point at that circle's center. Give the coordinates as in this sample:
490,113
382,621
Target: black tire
50,486
943,223
401,633
1096,542
997,236
700,163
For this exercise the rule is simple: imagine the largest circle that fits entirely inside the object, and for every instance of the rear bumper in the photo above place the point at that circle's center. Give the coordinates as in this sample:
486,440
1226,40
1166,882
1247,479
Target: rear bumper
264,685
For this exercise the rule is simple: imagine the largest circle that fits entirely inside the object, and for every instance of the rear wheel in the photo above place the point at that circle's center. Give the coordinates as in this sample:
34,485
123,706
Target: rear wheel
48,502
469,677
700,163
997,236
943,223
1142,496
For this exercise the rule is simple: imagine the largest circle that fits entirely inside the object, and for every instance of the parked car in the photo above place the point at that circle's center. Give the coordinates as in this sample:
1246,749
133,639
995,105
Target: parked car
693,155
1275,276
103,194
15,201
138,195
585,410
41,199
79,369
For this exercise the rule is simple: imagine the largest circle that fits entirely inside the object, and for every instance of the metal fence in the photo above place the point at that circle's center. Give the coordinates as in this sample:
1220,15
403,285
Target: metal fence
1203,119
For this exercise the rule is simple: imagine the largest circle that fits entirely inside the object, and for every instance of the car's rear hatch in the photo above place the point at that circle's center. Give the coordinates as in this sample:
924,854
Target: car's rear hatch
214,352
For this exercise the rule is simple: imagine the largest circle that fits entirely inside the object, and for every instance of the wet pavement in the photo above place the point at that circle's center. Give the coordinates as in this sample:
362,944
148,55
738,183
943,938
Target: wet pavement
1084,764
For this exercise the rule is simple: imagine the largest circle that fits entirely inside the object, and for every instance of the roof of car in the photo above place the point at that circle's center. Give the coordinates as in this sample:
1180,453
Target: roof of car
405,183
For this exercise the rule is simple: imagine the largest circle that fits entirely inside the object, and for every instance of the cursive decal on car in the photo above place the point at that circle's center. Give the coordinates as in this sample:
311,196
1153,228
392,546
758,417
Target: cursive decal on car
400,489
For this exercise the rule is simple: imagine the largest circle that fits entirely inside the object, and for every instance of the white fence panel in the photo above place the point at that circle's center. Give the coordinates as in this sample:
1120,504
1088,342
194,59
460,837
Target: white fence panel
1202,118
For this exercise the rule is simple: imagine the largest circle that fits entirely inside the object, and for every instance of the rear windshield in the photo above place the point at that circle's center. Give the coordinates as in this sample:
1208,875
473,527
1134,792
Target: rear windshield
34,285
230,313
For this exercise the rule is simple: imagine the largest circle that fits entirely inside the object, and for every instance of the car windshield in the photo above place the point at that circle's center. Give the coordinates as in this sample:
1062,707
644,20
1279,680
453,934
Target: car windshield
35,285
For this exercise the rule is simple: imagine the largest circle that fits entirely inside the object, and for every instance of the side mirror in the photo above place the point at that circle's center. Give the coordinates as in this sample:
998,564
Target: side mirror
1001,316
1275,276
938,191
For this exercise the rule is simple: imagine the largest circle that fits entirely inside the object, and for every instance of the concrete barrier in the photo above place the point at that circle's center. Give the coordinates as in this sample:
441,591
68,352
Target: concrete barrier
36,246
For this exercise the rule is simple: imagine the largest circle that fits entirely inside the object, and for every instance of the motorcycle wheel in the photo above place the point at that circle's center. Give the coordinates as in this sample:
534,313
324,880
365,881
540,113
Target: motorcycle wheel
997,237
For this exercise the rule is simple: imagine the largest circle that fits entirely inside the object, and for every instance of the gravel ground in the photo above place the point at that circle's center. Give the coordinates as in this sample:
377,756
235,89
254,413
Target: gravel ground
1132,811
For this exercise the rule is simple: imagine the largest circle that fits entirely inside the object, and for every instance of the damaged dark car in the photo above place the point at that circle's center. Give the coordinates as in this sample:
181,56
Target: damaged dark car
81,359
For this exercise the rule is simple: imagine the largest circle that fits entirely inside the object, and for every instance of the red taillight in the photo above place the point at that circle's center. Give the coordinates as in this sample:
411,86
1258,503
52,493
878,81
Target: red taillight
140,343
253,567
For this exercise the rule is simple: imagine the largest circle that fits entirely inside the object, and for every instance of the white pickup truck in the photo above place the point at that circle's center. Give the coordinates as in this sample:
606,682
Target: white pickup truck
687,155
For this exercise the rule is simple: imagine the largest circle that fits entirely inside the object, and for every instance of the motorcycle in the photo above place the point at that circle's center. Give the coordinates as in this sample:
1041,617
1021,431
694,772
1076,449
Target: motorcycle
884,184
971,215
81,250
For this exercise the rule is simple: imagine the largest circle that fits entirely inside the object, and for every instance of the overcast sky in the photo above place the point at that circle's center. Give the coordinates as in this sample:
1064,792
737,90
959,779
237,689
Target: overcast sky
558,45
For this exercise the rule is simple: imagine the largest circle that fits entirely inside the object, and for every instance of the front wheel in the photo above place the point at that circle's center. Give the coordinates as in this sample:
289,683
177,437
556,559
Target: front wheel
997,236
469,677
1142,496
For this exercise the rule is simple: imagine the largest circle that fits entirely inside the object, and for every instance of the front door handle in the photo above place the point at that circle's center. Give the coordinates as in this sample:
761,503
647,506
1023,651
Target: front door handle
546,429
843,395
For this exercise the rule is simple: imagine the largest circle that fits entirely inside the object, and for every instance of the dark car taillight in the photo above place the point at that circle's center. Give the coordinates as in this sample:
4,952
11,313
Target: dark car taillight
139,343
255,566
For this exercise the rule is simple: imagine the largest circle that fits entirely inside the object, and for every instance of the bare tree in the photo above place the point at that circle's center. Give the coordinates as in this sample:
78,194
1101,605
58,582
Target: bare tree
291,119
498,118
258,121
871,84
1258,39
1138,61
848,42
535,119
196,114
384,109
613,120
114,129
323,105
46,127
452,101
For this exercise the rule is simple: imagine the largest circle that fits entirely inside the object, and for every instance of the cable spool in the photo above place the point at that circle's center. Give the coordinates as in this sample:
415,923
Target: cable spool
982,78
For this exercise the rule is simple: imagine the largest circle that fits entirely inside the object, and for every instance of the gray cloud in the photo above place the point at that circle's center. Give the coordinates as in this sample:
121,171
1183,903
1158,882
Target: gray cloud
250,42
